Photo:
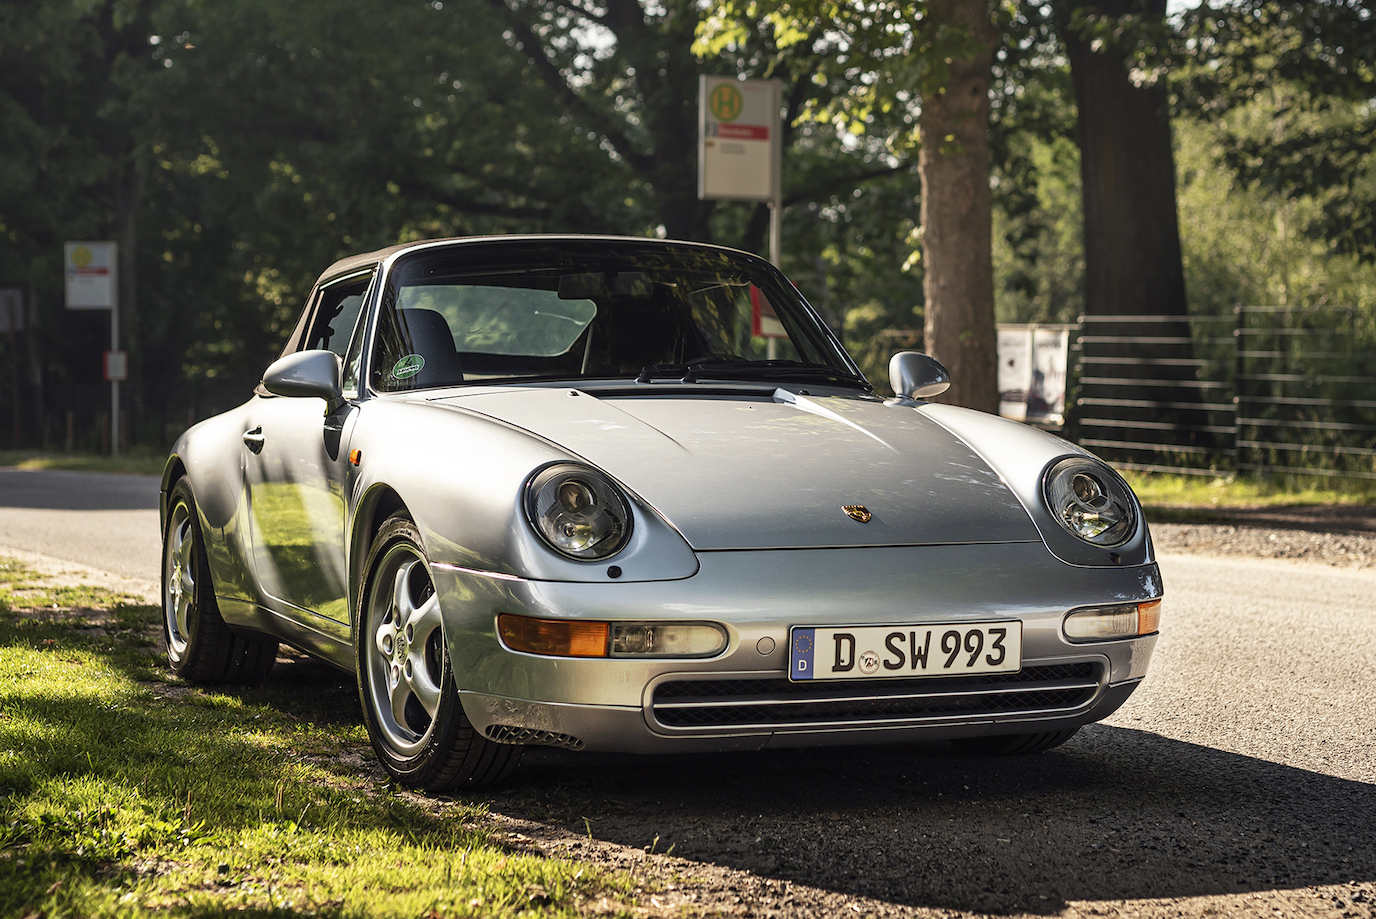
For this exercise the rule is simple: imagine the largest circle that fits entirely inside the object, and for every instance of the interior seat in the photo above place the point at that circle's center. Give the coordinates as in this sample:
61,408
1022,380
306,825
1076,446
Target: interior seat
429,336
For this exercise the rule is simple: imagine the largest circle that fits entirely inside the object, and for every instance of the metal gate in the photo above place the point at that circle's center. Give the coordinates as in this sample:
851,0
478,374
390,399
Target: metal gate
1270,390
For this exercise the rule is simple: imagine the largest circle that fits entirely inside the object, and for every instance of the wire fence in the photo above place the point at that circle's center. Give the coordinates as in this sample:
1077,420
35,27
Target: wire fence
1269,390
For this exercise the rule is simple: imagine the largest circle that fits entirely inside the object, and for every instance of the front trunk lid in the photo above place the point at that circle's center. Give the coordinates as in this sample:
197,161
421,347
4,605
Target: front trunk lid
762,470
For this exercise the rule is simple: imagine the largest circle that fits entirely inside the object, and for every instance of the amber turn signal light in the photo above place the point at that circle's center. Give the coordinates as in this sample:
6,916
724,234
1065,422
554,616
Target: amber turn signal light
1149,617
554,637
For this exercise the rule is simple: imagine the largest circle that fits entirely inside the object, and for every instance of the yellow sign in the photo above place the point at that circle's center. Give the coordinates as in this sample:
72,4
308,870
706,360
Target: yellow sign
726,102
81,256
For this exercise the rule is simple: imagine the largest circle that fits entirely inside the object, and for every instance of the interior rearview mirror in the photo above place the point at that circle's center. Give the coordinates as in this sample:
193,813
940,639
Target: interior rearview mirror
307,374
913,375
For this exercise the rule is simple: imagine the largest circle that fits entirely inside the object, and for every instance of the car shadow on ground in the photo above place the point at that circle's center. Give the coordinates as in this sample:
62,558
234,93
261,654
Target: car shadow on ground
1114,814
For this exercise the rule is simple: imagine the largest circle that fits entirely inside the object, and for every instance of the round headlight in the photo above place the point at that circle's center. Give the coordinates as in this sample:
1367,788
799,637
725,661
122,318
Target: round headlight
578,511
1091,501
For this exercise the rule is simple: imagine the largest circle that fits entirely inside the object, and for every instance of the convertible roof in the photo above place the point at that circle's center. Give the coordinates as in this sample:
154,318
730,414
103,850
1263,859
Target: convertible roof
363,260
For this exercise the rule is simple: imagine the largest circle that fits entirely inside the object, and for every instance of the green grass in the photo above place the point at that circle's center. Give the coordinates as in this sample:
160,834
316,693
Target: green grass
126,793
137,461
1158,490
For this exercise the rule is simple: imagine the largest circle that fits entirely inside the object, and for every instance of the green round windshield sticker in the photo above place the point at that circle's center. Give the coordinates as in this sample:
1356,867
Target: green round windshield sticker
408,367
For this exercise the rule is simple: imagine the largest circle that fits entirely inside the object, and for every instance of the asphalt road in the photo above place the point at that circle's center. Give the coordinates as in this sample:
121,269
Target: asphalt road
1239,780
106,521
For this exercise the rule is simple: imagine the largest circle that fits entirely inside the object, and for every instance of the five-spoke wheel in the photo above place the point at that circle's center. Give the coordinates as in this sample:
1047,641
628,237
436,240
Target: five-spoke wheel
200,647
179,575
406,660
410,704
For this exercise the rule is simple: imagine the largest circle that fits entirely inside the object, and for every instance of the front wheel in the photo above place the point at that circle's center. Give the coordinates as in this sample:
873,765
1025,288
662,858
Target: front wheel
1012,744
200,647
405,682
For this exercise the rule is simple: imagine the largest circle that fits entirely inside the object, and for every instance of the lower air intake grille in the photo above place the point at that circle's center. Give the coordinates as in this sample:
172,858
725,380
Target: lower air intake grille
689,704
506,733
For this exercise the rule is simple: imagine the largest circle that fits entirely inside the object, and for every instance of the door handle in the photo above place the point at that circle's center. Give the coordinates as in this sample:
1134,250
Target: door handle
254,440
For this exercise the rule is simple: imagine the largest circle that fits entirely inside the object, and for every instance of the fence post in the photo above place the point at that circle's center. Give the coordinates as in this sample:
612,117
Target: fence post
1239,368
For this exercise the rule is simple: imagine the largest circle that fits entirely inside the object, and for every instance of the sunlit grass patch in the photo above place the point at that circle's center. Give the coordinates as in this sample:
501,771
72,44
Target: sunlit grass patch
138,461
124,793
1207,492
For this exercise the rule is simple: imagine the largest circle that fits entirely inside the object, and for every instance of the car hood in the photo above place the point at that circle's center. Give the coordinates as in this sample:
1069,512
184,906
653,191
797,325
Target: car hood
773,471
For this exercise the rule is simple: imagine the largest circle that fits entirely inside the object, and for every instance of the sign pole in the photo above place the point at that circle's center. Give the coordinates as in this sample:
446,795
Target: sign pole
776,229
114,380
92,273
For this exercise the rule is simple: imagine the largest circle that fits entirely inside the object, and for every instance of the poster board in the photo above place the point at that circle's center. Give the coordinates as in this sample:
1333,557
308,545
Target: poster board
1033,364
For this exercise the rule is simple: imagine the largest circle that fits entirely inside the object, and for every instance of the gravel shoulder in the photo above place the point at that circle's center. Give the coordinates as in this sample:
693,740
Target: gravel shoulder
1342,536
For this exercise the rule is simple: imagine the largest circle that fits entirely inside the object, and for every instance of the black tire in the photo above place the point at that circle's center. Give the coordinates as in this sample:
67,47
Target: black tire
1012,744
200,647
410,704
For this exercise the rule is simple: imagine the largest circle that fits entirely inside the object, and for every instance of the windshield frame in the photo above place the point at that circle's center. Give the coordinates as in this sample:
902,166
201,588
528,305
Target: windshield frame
493,256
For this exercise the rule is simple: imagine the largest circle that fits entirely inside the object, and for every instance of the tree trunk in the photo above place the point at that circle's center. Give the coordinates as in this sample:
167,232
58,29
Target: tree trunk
1140,402
958,274
1132,236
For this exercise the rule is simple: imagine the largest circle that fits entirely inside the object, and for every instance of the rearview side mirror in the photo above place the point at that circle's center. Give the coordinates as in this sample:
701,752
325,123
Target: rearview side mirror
913,375
307,374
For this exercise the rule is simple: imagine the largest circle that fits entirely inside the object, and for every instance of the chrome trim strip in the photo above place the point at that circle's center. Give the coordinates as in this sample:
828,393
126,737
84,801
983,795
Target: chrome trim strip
986,690
961,718
495,575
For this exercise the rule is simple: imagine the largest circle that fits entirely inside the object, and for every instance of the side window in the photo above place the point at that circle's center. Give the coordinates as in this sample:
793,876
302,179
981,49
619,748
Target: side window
336,323
332,327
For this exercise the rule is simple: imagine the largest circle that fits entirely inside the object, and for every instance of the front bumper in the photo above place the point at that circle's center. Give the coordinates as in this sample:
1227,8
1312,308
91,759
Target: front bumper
742,698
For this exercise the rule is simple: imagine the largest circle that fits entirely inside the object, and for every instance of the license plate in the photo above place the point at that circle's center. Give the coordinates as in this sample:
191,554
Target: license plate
887,652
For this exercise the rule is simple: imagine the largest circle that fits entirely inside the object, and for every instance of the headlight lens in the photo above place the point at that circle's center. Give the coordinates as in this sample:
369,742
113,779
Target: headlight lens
1091,501
578,511
667,639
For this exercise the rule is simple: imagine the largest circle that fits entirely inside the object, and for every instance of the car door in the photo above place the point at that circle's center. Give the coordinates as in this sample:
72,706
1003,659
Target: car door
297,468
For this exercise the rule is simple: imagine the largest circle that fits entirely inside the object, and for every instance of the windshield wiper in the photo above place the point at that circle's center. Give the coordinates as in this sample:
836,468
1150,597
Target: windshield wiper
692,371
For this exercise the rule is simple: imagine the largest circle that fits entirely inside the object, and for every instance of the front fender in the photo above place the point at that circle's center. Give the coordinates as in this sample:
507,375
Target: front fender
211,454
461,476
1020,454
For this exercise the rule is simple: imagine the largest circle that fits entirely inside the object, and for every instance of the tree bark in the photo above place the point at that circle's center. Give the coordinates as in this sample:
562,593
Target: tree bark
958,274
1132,234
1139,401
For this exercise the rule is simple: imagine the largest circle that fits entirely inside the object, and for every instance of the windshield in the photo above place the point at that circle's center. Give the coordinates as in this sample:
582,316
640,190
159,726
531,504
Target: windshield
595,309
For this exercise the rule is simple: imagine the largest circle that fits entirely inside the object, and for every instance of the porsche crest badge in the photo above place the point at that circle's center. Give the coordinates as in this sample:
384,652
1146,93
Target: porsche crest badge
857,512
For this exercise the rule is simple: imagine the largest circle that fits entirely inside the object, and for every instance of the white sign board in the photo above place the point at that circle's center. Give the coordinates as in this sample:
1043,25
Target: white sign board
116,366
92,275
740,150
1032,373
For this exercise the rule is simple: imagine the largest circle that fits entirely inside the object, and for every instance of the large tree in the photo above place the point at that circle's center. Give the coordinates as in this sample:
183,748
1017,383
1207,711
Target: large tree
958,283
930,60
1132,235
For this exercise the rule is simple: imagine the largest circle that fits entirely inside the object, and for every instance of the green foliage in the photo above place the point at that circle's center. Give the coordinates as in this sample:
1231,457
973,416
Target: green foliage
253,143
1243,243
1038,245
1302,75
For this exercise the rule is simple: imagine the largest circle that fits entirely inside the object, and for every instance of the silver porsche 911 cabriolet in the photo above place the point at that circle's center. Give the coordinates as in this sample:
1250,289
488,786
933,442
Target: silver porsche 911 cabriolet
632,495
